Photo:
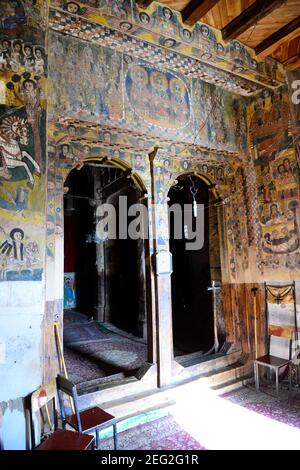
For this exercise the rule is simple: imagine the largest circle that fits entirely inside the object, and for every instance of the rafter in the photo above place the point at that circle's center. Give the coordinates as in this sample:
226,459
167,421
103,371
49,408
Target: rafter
249,17
196,9
293,62
286,33
144,3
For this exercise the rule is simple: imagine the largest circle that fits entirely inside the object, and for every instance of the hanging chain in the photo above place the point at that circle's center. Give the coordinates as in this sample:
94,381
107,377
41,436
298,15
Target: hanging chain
194,191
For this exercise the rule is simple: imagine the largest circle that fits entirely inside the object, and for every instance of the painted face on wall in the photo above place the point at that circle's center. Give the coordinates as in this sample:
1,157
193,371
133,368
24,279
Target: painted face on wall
274,212
173,149
167,165
220,48
5,44
17,47
169,42
220,173
65,150
204,31
186,34
125,26
107,137
72,7
29,85
159,81
138,161
237,46
167,13
27,51
17,234
38,53
72,131
144,18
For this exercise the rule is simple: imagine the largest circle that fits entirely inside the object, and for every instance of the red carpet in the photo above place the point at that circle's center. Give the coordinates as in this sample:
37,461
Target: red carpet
161,434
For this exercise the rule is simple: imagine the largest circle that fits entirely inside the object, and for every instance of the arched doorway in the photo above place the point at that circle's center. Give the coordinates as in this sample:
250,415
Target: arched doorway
105,315
195,272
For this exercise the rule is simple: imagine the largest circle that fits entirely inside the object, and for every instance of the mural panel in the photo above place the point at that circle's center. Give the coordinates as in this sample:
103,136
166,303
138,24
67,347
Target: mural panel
118,90
278,186
157,97
95,88
22,139
162,26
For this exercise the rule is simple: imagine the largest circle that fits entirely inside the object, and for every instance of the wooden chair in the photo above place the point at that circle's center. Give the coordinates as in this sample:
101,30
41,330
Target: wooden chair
87,420
280,326
43,399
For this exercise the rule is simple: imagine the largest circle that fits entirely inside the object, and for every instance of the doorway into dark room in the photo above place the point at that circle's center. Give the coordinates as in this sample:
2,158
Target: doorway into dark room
193,271
105,318
80,271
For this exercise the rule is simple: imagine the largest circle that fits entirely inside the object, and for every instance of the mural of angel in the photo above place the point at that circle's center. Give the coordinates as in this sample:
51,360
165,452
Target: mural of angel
13,132
16,256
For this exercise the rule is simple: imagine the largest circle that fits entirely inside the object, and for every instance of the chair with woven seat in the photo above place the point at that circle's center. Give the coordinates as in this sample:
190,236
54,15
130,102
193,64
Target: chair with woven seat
281,324
92,419
42,406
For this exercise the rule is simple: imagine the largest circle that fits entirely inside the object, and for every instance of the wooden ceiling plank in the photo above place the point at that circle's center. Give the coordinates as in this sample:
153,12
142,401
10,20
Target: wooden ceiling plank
144,3
293,62
281,34
249,17
196,9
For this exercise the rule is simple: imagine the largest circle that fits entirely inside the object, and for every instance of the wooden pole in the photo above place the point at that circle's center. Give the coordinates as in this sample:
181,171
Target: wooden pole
48,417
254,290
61,357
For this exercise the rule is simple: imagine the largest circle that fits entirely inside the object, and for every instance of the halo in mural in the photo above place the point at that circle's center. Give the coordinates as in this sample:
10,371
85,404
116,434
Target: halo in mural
158,97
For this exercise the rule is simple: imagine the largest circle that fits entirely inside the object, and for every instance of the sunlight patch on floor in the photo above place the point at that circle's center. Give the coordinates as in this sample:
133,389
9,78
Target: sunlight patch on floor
217,423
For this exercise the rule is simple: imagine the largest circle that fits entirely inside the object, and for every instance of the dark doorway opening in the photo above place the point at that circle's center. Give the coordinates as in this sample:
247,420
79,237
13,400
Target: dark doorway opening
105,321
79,253
192,302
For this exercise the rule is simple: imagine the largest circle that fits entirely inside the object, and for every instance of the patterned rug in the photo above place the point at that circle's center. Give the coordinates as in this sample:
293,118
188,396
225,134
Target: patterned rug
94,350
81,368
118,353
72,316
161,434
285,409
83,332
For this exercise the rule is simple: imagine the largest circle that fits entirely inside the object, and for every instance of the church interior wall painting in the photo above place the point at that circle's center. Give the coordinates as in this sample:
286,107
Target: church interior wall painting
277,174
131,94
162,26
23,70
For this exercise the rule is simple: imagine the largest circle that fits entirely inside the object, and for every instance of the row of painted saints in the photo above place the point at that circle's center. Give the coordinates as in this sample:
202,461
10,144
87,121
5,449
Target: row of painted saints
159,98
281,183
167,22
95,89
17,56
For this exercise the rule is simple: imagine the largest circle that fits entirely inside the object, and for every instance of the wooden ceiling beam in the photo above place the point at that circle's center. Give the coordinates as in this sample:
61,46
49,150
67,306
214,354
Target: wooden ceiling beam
249,17
196,9
283,34
293,62
144,3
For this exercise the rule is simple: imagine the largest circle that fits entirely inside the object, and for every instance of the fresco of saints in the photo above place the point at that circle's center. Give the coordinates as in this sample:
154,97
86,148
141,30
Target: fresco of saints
16,57
179,106
160,98
139,93
166,21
